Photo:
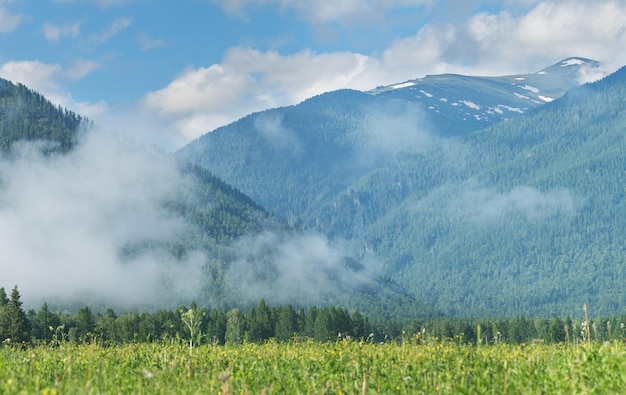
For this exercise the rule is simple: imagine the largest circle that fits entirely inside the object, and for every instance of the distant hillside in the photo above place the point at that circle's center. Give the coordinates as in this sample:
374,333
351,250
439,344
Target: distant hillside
460,103
205,235
522,217
295,158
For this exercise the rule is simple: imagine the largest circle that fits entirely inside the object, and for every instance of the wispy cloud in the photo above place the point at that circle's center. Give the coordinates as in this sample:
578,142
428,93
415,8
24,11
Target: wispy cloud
56,33
114,28
100,3
322,11
147,43
486,204
8,20
48,79
299,269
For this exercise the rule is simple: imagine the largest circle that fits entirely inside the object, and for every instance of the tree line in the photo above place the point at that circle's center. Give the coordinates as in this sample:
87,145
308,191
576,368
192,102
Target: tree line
200,325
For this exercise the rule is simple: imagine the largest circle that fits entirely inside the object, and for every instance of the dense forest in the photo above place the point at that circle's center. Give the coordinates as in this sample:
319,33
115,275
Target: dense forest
378,213
28,115
196,325
523,217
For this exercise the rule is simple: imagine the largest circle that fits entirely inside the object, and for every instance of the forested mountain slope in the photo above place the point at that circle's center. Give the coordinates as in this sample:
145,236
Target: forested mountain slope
27,115
523,217
123,226
295,158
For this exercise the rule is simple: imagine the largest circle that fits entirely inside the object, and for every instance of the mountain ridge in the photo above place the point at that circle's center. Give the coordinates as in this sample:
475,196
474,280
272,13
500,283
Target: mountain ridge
449,213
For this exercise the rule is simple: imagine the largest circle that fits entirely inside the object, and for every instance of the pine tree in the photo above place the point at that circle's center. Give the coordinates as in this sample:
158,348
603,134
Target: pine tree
3,298
14,325
85,324
286,324
47,323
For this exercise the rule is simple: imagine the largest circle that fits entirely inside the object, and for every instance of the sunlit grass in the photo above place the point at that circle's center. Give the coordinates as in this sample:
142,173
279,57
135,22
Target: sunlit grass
307,367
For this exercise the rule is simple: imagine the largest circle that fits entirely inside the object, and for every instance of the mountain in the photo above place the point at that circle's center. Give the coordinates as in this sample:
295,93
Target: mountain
293,159
187,231
28,115
523,216
466,103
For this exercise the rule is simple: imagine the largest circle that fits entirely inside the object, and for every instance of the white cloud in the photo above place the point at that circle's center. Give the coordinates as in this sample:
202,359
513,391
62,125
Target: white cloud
529,37
36,75
48,80
484,44
486,204
503,43
146,42
305,268
323,11
249,80
8,21
100,3
56,33
81,68
70,217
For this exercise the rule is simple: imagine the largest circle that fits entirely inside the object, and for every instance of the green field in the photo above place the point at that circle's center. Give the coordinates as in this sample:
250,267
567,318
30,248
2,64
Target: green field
342,367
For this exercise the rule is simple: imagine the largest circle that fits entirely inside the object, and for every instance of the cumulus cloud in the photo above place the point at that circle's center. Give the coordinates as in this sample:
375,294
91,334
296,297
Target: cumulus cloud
537,34
37,75
504,43
48,79
76,225
249,80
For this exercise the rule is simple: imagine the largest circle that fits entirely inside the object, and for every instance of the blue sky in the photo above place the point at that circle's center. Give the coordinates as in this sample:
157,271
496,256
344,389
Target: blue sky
168,71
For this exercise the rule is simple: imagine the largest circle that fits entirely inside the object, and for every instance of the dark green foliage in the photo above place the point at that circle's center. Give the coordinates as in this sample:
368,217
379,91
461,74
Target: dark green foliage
85,324
27,115
44,324
284,323
524,217
14,325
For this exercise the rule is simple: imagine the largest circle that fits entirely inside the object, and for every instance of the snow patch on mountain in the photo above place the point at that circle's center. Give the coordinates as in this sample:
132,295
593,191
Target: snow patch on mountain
470,104
509,108
403,85
530,88
572,62
521,96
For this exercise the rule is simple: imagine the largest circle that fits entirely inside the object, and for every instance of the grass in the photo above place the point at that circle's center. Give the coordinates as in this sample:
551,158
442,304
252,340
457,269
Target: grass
344,367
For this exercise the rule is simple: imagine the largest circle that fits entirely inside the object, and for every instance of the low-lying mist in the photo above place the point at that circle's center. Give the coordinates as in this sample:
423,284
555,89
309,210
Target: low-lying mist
299,269
92,227
67,222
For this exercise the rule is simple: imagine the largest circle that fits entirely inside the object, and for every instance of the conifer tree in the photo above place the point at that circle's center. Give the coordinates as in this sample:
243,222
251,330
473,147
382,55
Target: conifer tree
14,325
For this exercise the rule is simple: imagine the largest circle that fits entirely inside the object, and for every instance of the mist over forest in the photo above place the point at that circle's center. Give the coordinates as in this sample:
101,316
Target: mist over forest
374,201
